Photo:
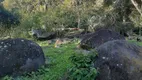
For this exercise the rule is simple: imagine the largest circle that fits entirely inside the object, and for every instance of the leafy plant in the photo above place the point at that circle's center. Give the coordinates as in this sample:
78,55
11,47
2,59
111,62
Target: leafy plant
83,67
7,78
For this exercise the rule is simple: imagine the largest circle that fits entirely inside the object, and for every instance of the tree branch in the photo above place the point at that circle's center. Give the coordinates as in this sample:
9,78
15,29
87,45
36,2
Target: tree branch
137,6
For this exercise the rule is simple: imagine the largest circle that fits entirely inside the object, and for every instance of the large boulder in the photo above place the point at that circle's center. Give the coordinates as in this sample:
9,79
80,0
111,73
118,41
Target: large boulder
20,56
119,60
95,39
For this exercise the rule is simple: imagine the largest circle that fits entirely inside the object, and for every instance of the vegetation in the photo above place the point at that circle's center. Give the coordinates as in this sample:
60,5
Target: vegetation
119,15
83,67
62,63
57,63
19,17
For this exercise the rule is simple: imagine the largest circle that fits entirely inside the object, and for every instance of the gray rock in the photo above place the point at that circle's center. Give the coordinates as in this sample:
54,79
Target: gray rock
19,56
78,34
119,60
40,34
94,40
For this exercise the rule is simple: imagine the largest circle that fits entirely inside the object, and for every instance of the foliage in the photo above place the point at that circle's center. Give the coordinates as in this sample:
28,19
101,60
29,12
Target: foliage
135,42
83,67
31,20
87,14
7,18
51,14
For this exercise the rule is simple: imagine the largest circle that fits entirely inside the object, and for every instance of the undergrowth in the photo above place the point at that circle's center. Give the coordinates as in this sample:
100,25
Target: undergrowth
83,68
64,63
57,62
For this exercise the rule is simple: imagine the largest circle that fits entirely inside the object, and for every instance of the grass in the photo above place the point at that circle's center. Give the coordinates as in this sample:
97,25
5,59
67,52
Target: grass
135,42
57,62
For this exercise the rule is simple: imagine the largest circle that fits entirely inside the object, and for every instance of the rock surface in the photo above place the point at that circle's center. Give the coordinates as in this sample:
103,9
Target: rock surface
19,55
94,40
40,34
119,60
78,35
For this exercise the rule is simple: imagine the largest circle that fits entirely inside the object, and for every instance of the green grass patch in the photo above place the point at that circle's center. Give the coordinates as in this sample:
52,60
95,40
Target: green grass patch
57,62
135,42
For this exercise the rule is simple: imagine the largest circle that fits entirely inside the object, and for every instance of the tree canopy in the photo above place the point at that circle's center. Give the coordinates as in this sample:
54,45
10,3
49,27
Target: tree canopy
88,14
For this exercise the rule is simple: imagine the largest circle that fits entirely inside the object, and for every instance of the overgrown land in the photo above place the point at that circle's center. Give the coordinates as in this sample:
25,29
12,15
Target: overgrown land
19,17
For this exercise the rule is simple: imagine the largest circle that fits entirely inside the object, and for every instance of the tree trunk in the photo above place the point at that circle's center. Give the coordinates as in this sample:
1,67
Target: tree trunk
78,26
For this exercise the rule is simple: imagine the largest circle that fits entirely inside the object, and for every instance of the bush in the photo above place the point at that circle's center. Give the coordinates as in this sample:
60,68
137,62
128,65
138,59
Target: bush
83,67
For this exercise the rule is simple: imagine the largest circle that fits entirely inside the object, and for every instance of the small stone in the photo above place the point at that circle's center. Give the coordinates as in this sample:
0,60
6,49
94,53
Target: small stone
22,40
5,46
103,57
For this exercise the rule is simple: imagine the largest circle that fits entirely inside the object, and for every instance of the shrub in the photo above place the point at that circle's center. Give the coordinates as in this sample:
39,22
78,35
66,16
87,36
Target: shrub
83,67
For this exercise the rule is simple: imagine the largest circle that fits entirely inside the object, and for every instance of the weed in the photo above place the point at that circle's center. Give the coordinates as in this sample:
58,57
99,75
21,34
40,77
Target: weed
83,67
